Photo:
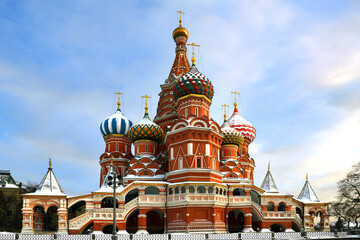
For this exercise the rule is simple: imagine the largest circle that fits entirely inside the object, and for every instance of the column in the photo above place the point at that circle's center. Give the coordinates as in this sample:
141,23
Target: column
62,217
248,222
142,224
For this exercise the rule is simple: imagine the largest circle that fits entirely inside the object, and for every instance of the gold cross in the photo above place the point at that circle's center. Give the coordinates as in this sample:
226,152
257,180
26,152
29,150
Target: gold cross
146,104
118,102
180,16
193,59
225,116
236,93
50,163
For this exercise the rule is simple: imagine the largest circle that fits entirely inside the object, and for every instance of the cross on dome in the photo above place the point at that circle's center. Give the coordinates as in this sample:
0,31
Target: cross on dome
225,116
50,163
146,103
180,16
118,102
193,59
235,93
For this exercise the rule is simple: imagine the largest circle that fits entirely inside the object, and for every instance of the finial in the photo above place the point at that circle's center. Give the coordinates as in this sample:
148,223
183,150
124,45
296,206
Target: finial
112,160
307,177
225,116
235,103
269,167
146,104
50,164
180,16
118,102
193,59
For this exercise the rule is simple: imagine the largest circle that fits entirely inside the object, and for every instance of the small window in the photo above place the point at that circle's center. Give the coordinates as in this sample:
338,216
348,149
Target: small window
177,190
270,207
177,216
196,111
183,189
220,191
170,191
217,191
146,148
191,189
211,189
145,173
230,153
281,207
186,112
198,162
117,147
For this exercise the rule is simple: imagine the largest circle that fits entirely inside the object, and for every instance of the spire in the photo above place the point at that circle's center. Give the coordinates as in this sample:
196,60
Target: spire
181,63
118,102
146,104
268,183
307,193
50,168
193,59
225,116
49,185
235,93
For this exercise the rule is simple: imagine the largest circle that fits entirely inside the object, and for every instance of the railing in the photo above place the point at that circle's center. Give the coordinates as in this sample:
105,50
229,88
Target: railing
229,236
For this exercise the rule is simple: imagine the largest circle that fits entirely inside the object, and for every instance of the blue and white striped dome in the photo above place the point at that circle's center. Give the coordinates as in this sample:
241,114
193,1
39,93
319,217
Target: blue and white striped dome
115,124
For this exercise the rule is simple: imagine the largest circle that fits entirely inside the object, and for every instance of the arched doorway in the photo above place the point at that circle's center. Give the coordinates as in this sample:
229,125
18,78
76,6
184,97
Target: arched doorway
277,228
77,209
51,219
132,222
39,214
155,222
108,229
235,221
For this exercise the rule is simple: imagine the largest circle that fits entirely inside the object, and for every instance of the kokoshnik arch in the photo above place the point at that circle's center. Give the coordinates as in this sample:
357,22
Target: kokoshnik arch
187,173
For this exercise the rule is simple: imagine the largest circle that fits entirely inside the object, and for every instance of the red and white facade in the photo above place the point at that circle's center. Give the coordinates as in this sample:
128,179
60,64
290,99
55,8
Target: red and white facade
187,173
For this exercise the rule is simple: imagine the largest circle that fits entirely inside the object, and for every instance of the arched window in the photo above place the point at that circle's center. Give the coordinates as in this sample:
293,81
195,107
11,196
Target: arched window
177,190
170,191
281,207
255,197
238,192
151,191
131,195
191,189
224,192
220,191
201,189
230,153
186,112
108,202
270,207
183,189
146,148
217,191
117,147
211,189
196,111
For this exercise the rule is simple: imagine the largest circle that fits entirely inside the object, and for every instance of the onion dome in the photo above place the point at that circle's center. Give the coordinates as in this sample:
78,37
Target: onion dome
146,129
231,135
194,82
116,123
242,125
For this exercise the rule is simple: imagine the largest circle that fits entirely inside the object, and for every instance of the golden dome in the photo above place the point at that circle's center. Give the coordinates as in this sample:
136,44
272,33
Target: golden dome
180,31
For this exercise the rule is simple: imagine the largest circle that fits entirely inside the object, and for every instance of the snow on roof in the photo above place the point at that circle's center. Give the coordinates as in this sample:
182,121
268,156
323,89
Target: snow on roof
307,194
49,185
6,180
268,183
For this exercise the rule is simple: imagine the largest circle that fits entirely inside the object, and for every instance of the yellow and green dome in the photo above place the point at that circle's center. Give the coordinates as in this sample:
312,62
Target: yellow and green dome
231,135
146,129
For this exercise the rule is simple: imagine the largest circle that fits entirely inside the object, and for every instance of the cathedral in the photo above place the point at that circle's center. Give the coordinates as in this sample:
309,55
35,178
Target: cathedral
184,173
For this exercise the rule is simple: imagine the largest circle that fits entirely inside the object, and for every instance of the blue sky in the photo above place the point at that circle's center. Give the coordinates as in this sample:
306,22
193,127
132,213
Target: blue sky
296,64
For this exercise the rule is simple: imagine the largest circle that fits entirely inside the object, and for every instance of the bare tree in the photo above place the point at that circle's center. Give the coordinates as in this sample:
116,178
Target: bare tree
30,187
347,206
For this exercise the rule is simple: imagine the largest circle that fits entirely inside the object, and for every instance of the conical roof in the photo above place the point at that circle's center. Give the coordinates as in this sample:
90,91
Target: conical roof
268,183
307,193
49,185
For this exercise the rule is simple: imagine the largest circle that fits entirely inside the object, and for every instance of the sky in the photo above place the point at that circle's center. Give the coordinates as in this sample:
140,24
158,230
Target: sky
295,63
